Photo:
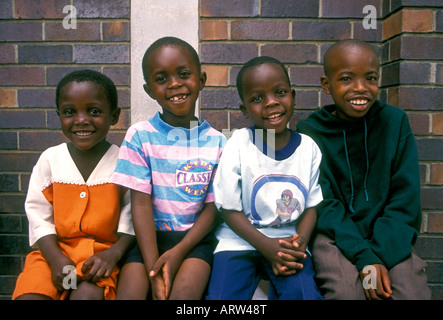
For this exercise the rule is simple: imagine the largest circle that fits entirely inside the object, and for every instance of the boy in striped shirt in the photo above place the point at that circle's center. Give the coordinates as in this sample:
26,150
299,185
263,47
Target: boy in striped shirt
169,162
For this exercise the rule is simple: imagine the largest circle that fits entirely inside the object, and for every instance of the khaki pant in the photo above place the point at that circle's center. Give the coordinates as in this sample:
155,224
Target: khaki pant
338,278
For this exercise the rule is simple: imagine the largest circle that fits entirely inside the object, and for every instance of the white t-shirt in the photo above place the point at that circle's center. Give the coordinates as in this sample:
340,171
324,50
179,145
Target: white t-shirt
271,193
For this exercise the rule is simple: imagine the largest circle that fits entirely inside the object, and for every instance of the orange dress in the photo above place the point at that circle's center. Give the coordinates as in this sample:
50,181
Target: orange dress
85,216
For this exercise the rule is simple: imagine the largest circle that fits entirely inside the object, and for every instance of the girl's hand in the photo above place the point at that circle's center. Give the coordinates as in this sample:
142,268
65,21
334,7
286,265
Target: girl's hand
57,270
99,266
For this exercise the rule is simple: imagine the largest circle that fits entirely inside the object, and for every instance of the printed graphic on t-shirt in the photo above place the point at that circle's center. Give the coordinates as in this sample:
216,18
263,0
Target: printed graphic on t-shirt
277,200
194,177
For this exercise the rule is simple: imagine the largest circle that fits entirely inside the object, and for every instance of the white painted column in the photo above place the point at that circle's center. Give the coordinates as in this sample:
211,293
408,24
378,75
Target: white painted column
151,20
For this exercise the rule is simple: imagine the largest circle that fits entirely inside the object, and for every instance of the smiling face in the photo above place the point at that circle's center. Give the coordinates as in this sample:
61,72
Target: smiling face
352,74
267,97
85,114
175,81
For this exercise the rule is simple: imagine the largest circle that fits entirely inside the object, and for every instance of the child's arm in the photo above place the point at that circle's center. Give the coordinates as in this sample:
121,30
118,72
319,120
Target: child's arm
50,250
102,264
305,227
171,260
269,247
145,230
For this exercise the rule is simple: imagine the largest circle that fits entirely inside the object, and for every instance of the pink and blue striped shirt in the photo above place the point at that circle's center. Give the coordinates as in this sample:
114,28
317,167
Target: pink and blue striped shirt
176,166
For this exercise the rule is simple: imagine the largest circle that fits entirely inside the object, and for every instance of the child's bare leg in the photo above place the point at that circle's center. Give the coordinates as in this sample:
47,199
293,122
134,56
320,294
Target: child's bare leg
33,296
191,280
133,282
87,291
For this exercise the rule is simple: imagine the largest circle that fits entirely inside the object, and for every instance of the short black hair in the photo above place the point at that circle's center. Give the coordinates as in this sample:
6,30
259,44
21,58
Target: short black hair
347,43
255,62
164,42
93,76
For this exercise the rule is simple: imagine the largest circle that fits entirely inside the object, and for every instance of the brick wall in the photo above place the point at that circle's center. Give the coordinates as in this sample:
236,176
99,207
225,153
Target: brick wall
408,36
36,51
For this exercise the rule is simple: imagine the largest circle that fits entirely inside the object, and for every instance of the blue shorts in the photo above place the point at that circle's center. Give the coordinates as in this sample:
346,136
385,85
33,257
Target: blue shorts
236,274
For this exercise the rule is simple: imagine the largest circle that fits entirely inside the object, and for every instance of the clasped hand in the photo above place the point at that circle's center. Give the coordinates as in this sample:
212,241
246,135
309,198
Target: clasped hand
285,254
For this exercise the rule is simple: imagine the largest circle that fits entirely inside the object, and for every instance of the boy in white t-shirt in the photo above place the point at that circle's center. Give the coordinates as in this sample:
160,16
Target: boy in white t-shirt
267,188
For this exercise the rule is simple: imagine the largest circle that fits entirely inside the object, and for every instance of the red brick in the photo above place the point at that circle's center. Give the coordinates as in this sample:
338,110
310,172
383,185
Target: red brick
306,75
432,197
430,149
116,31
435,222
420,98
229,8
15,119
421,48
291,53
41,53
306,99
321,30
217,119
216,75
348,8
289,8
213,30
10,161
437,173
392,25
6,9
219,99
369,35
419,123
119,75
439,74
108,53
259,30
37,9
417,20
7,53
36,98
86,31
8,140
437,123
20,31
227,52
102,8
20,75
40,140
8,98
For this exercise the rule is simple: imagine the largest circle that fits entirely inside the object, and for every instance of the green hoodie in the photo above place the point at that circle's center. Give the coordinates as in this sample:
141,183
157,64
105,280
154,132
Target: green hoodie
370,182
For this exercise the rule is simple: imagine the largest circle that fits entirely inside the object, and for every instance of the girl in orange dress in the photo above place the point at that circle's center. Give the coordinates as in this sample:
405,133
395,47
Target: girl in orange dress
79,221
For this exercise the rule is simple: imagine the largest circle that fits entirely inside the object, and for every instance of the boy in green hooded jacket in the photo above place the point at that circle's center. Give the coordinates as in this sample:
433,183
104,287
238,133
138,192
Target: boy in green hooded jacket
371,213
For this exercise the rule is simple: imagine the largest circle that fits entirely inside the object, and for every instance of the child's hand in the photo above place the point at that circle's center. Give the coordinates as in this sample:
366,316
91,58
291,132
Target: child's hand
57,273
282,256
292,252
158,287
169,263
379,288
99,266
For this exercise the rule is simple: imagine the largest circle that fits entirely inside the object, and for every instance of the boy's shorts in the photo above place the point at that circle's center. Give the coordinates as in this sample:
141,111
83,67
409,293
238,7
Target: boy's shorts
168,239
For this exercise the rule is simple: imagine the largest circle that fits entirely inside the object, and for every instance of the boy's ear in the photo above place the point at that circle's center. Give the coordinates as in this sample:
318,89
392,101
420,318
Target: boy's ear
203,78
325,84
148,90
115,116
244,111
